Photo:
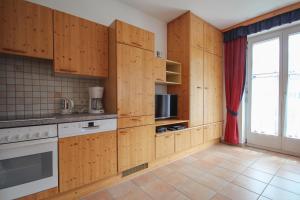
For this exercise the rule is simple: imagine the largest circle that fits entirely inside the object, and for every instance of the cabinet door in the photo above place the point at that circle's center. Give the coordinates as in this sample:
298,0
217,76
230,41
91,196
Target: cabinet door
197,32
182,140
164,145
129,80
212,131
67,45
196,87
135,146
197,136
213,40
160,70
209,79
134,36
86,159
148,85
26,29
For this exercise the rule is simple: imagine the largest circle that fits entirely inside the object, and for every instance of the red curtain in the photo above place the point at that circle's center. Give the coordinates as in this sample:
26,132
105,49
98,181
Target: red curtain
235,69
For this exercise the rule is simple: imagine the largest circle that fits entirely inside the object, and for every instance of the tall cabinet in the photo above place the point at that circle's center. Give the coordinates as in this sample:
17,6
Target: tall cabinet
199,47
130,92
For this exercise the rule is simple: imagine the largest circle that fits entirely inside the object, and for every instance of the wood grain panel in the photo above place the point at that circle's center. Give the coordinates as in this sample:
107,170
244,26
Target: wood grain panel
86,159
165,145
136,146
26,29
41,195
197,136
126,122
182,140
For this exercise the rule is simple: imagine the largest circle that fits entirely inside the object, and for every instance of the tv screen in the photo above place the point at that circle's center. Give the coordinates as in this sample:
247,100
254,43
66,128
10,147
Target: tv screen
165,106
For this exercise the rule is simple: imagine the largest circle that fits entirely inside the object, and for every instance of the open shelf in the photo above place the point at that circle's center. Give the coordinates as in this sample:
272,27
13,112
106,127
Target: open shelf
164,122
173,72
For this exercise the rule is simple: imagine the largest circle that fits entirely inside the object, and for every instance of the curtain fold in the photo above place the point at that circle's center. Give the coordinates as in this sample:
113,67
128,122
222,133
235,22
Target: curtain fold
235,74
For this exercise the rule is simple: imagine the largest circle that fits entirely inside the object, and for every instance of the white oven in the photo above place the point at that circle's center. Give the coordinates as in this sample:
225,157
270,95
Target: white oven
28,160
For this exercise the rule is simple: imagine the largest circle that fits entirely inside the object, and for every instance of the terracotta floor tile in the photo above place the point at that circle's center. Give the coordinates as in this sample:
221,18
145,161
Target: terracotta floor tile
102,195
276,193
258,175
288,175
224,173
250,184
161,190
235,192
220,197
162,171
211,181
239,168
286,184
291,168
127,190
268,167
192,171
145,179
203,165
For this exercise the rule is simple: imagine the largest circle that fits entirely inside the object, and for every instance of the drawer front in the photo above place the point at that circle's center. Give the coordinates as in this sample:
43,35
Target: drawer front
134,36
135,121
212,131
182,140
164,145
197,136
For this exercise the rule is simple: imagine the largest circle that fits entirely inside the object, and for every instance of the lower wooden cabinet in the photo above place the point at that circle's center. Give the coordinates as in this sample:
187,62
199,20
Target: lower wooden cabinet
136,146
164,145
212,131
182,140
87,158
197,136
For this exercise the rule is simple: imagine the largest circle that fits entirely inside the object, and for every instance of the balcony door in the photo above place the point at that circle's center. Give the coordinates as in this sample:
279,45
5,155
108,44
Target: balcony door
273,98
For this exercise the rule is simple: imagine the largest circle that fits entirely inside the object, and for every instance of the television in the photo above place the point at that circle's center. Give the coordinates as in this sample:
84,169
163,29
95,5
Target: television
165,106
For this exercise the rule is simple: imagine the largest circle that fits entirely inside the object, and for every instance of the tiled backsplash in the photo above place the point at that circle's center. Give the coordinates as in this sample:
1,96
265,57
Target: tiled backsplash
29,88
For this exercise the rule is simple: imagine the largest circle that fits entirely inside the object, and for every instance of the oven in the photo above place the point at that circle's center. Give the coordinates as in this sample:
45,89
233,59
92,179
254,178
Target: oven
28,160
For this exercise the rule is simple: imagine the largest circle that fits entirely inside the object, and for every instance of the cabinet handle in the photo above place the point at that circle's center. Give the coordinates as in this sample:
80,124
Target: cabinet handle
123,132
167,136
137,44
135,119
67,70
198,87
14,50
125,115
205,88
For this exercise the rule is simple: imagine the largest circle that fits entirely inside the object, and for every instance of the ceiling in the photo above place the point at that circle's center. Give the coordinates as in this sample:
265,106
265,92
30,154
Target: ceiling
220,13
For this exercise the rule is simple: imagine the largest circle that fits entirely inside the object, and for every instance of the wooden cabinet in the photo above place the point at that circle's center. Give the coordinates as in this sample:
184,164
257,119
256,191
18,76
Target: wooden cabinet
136,146
80,46
135,84
182,140
164,145
213,40
197,31
159,70
212,131
134,36
85,159
126,122
196,136
26,29
213,90
196,87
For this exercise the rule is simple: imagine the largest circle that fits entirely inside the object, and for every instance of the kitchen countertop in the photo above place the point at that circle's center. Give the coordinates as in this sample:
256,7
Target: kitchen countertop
54,119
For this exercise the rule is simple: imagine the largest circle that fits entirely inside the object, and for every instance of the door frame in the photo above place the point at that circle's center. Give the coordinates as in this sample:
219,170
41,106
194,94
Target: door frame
263,141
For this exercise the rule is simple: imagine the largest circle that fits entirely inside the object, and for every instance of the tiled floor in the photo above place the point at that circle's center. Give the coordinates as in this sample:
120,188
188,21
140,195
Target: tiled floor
219,173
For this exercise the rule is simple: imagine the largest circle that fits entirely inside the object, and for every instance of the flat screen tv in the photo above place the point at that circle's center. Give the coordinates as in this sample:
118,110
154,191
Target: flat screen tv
165,106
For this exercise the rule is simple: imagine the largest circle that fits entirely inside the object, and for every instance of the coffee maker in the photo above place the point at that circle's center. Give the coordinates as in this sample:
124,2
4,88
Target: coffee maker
95,101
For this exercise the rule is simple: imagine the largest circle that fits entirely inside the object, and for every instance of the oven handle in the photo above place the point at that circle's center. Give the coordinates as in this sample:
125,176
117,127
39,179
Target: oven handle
27,143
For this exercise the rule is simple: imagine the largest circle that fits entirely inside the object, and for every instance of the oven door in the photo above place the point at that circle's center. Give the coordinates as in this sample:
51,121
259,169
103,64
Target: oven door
27,167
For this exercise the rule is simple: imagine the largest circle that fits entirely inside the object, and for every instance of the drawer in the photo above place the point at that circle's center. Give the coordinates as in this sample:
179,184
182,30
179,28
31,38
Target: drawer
182,140
164,145
197,136
135,121
134,36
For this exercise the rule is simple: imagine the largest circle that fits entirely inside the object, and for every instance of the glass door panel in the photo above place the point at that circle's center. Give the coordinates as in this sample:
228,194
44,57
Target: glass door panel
293,88
265,87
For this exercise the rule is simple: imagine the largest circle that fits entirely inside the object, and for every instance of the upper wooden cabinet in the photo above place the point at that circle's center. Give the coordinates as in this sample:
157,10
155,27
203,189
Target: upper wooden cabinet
159,70
134,36
213,40
26,29
135,81
197,31
80,46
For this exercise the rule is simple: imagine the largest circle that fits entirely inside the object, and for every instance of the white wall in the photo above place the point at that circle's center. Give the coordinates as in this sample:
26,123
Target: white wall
106,11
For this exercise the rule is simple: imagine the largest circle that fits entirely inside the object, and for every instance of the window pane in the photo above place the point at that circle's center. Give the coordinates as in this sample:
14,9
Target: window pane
293,92
265,87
